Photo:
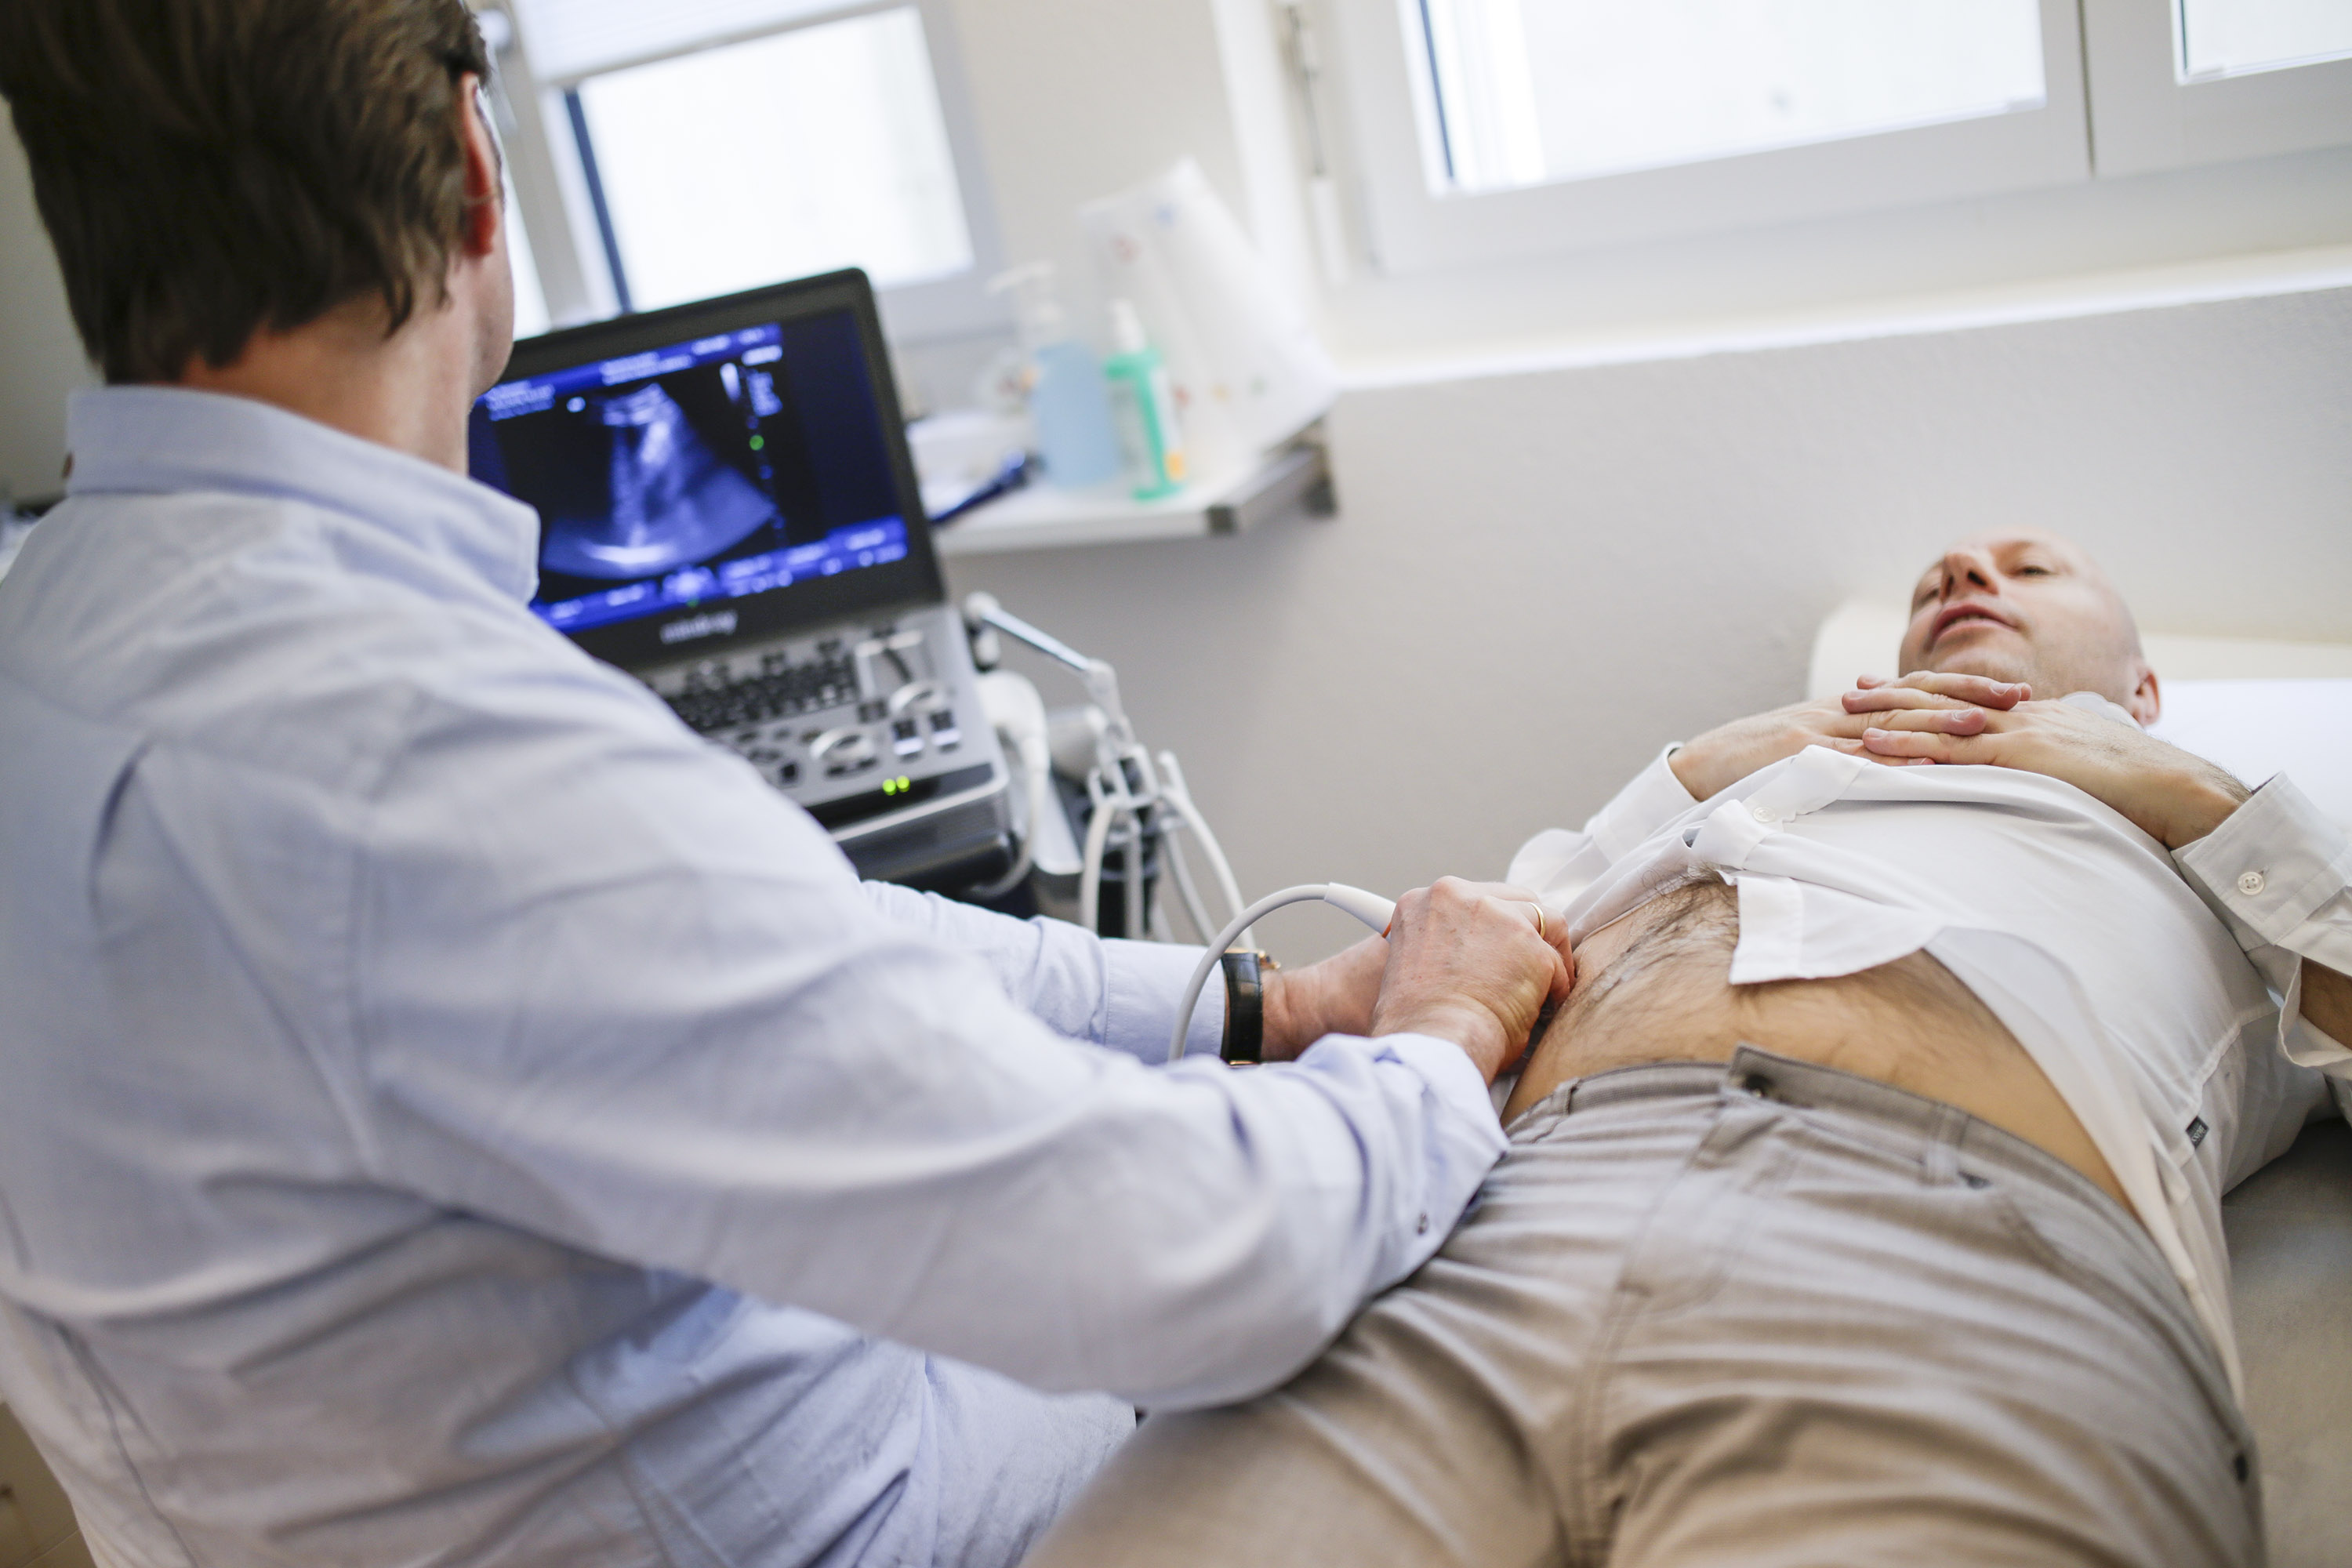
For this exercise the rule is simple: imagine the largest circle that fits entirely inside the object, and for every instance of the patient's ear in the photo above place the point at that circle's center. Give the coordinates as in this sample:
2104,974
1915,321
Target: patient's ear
2146,703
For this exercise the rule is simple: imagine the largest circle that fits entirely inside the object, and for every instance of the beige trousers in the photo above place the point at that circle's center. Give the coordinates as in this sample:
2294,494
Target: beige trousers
1758,1314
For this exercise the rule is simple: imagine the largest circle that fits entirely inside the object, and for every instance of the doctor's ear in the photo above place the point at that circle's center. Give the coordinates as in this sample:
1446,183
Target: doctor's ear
486,186
2146,703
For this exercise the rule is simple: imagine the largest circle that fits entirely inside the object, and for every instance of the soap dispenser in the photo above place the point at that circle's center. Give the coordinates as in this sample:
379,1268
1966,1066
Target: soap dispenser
1146,400
1068,401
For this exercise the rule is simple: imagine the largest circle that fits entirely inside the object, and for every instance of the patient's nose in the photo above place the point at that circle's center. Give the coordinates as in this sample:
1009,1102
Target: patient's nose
1966,571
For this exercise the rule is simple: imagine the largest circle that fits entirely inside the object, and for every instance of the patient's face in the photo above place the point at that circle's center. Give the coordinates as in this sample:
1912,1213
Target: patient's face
2026,606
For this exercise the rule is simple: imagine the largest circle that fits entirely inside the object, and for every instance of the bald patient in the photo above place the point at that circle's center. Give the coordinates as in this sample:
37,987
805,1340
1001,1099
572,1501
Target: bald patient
1862,1198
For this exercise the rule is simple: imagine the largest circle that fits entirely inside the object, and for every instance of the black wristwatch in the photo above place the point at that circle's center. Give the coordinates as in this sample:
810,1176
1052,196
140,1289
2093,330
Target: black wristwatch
1244,1041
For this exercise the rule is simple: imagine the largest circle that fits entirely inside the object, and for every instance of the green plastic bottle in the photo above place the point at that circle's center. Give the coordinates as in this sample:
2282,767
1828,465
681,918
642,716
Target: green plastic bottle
1145,401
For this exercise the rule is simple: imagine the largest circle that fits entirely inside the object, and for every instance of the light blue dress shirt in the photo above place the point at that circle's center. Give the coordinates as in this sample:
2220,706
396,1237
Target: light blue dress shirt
450,1113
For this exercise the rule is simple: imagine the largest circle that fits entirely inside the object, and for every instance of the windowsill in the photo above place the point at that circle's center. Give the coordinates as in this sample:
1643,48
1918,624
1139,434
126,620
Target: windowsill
2105,244
2101,293
1293,481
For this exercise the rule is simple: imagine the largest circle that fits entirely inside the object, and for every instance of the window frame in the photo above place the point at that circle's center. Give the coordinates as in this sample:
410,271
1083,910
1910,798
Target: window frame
1409,227
560,200
2145,119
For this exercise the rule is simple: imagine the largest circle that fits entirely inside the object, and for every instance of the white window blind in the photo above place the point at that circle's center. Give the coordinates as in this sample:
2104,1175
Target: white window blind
567,39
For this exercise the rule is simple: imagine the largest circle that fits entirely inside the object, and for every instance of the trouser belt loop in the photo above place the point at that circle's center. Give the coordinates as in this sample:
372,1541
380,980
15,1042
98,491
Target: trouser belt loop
1940,1167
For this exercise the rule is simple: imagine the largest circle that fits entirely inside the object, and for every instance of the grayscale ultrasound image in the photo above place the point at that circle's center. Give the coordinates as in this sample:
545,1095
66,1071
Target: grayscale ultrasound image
670,500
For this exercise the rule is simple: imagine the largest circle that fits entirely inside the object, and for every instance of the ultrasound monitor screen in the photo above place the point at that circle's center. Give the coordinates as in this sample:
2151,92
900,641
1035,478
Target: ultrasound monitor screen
689,476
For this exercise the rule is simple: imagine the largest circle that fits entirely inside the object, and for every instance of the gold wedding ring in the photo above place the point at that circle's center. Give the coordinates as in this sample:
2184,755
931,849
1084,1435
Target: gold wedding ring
1543,927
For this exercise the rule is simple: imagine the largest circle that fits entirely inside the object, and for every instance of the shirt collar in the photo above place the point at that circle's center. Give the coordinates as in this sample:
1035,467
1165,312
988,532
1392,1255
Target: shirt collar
157,441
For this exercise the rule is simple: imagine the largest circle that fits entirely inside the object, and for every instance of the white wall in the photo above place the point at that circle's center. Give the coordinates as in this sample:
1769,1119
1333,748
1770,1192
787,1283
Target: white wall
1076,100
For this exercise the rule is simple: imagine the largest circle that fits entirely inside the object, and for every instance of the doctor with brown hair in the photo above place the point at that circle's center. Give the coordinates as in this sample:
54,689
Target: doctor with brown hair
454,1114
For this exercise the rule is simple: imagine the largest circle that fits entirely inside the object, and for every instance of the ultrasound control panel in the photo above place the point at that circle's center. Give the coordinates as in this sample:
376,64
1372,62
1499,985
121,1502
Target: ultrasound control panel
876,728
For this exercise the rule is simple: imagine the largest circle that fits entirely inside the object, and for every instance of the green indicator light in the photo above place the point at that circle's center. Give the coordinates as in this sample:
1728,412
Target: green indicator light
758,442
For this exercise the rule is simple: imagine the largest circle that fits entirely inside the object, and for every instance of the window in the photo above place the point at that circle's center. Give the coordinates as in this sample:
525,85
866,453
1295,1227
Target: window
706,146
2207,81
1527,91
704,196
1490,129
1497,127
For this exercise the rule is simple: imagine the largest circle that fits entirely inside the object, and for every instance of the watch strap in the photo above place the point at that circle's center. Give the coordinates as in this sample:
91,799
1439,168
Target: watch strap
1244,1039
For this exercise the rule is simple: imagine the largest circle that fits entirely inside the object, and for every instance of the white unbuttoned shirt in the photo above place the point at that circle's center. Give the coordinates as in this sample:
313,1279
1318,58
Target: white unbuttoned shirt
449,1112
2147,985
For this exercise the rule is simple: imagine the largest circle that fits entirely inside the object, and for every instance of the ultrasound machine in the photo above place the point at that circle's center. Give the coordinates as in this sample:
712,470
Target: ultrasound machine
728,512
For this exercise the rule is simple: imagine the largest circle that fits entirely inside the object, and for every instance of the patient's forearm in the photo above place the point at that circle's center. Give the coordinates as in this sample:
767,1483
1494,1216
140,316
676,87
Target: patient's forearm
2327,1000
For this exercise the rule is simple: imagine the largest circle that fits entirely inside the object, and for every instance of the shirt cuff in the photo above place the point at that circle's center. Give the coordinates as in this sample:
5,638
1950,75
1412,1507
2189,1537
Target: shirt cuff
1465,1139
2270,867
1145,982
1457,1084
1655,798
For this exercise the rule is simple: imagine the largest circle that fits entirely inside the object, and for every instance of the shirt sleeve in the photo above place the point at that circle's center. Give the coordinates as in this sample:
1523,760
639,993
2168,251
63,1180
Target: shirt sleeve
1557,864
2278,872
610,988
1122,994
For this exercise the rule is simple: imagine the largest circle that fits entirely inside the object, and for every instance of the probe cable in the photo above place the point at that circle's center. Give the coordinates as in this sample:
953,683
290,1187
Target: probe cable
1369,908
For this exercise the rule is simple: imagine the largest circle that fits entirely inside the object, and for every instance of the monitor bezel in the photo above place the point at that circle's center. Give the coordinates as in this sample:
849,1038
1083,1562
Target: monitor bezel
913,581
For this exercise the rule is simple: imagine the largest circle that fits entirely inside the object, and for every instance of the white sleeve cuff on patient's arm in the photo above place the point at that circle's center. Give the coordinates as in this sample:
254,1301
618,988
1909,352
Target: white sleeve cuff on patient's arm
1655,798
1557,864
2279,871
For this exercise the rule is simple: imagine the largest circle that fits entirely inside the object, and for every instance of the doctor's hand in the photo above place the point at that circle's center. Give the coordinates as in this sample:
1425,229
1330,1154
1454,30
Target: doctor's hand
1949,705
1465,964
2172,797
1334,997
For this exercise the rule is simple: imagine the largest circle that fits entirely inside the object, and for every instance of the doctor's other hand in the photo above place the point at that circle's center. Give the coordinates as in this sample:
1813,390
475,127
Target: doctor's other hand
1465,963
1729,753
